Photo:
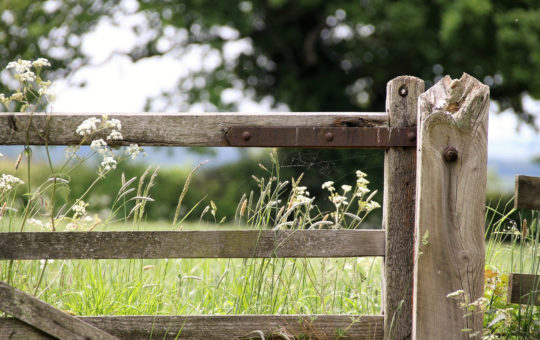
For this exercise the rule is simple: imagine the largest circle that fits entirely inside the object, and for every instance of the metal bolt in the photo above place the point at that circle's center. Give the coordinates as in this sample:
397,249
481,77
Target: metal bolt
403,91
450,154
411,136
329,136
246,135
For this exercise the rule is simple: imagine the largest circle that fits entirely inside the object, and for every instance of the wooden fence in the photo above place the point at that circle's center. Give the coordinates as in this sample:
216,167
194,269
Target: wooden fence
435,191
525,288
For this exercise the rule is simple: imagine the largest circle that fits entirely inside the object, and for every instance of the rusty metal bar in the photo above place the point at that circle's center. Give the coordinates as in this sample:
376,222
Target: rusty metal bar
322,137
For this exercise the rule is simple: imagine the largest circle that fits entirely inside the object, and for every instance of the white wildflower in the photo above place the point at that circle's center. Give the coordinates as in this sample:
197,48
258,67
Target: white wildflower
301,195
339,200
88,219
360,174
372,206
41,62
108,163
479,304
7,182
20,65
348,266
346,188
112,123
79,208
114,135
18,96
328,185
98,144
88,126
361,191
362,182
456,295
133,150
27,76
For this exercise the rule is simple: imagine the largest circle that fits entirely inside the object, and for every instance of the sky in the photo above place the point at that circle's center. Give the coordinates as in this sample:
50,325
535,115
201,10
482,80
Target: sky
113,83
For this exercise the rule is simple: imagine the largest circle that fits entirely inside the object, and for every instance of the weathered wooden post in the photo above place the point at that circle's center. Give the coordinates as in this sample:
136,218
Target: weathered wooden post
450,196
398,209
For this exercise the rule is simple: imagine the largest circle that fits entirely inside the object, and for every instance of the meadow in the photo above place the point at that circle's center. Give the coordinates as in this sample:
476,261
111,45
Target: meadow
44,201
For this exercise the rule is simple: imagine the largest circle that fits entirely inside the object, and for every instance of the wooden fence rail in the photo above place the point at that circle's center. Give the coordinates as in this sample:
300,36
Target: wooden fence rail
431,241
191,244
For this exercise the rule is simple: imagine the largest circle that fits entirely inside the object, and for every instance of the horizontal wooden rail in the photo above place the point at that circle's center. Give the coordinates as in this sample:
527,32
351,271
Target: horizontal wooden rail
524,289
168,129
220,327
191,244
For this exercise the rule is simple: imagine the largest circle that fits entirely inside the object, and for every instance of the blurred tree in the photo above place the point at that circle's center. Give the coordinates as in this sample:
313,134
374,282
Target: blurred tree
311,55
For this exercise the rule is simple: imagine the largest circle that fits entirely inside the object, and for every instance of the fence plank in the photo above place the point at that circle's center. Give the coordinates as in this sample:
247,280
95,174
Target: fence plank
527,192
221,327
523,289
168,129
191,244
451,182
45,317
398,209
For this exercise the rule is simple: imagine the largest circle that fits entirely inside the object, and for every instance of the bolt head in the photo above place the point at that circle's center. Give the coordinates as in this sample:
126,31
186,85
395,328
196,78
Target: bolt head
246,135
329,136
403,91
411,136
450,154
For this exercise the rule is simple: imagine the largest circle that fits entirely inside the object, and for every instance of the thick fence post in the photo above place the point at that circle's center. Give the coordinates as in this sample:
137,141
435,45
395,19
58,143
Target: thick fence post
398,209
450,196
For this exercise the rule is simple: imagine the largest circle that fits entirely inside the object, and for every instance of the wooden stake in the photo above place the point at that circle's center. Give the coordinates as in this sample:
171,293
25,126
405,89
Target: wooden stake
398,210
451,186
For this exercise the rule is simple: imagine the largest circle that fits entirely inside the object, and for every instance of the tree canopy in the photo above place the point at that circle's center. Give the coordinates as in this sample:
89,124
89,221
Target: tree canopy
311,55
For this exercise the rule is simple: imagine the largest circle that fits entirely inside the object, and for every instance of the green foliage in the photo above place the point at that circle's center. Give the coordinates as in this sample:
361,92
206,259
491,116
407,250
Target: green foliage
311,55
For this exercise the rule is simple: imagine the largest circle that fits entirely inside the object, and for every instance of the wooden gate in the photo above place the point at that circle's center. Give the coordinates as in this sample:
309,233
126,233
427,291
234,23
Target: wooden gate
435,190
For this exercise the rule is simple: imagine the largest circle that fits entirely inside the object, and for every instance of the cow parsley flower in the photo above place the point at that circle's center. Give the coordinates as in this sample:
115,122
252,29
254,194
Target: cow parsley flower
108,163
20,65
41,62
7,182
27,76
346,188
18,96
88,126
328,185
115,135
79,208
112,123
133,150
98,145
339,200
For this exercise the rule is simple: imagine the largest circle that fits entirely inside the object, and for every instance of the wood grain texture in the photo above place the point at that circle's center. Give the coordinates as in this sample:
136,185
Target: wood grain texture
45,317
450,200
191,244
523,289
220,327
167,129
527,192
398,210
